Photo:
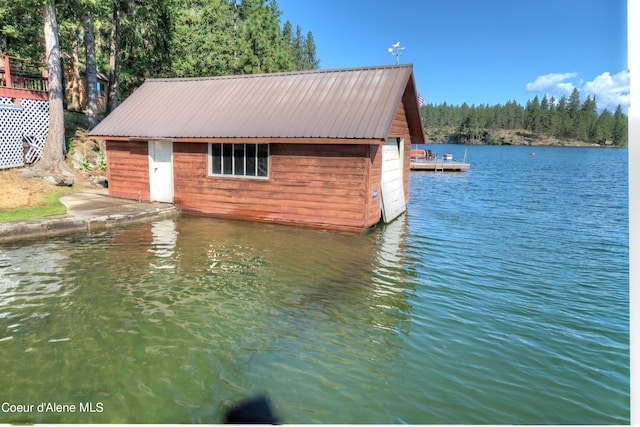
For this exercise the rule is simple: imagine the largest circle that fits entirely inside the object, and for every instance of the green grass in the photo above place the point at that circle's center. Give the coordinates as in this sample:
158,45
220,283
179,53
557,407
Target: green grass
48,205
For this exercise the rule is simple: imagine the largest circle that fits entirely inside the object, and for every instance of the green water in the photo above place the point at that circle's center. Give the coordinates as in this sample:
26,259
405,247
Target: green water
493,300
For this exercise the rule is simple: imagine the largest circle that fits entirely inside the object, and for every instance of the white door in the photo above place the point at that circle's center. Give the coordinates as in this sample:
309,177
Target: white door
392,186
161,171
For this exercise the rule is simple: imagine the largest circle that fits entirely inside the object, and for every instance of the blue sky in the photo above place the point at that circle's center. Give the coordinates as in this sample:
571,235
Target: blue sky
479,51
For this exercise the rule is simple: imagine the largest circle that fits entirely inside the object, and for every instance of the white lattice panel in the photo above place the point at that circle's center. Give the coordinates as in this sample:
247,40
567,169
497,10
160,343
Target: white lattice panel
11,153
31,120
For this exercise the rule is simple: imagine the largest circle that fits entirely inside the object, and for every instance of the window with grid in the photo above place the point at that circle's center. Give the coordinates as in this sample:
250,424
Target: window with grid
243,160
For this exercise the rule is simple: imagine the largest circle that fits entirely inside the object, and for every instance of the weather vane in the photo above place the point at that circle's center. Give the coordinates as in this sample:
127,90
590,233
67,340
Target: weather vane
396,51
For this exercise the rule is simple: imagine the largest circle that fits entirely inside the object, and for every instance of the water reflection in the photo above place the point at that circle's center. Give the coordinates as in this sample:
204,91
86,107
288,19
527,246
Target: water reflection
164,241
172,321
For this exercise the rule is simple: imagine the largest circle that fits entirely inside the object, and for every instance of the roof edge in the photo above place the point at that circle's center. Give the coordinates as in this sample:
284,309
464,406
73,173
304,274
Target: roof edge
398,99
418,126
248,139
283,73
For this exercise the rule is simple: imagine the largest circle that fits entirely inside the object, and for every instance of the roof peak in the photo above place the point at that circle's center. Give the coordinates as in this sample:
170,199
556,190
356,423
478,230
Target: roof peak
282,73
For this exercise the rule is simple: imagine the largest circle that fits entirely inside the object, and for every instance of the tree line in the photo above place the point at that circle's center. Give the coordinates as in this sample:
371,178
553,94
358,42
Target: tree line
567,118
131,40
136,39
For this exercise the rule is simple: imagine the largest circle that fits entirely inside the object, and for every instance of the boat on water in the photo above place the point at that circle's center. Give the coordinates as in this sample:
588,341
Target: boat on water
447,156
417,154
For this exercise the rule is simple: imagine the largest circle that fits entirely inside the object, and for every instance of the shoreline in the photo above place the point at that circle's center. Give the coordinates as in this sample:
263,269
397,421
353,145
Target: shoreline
87,211
569,145
510,137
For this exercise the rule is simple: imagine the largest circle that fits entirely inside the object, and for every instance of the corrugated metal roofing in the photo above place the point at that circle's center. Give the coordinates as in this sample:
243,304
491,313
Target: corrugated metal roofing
339,103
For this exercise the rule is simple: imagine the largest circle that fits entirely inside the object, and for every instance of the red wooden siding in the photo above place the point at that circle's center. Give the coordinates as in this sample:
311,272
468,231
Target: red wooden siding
309,184
128,169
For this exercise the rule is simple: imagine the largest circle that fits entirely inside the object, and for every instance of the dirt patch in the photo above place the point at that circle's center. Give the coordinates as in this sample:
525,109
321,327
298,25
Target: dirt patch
20,192
84,159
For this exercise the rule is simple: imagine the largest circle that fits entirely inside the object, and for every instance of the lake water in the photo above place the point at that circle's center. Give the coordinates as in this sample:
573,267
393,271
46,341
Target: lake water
501,296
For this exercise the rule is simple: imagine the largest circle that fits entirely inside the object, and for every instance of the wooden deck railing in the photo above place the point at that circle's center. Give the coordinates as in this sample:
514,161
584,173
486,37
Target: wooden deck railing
21,74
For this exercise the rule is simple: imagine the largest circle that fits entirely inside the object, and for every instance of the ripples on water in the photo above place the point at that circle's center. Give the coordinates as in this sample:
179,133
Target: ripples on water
500,297
531,259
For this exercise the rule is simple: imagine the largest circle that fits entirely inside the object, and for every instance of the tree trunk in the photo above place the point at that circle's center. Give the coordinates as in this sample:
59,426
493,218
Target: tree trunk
114,60
75,85
52,157
235,38
91,109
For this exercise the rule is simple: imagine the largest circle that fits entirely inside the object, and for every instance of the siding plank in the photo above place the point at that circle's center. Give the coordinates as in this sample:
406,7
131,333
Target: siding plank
312,184
128,169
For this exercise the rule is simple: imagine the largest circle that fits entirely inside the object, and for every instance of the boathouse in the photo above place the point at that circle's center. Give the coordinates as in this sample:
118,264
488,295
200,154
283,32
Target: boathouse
322,148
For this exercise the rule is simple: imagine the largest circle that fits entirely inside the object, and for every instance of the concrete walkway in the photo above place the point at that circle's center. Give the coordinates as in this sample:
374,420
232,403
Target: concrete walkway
86,211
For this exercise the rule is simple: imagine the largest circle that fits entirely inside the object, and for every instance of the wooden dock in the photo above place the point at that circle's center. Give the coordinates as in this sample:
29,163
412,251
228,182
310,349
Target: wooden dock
439,166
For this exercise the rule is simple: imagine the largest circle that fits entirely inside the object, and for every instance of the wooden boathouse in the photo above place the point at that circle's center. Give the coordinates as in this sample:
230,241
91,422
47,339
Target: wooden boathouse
24,111
322,148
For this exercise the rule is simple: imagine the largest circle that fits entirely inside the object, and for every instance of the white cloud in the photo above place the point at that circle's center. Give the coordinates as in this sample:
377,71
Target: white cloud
610,91
552,83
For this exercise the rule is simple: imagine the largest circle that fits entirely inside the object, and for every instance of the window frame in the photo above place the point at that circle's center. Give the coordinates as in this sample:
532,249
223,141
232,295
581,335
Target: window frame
226,152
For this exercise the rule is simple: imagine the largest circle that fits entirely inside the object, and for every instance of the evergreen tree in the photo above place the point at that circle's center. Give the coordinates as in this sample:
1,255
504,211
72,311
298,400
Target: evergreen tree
21,29
620,126
260,28
146,36
573,109
533,118
203,42
554,118
510,110
309,54
287,38
162,38
586,127
297,49
545,116
563,118
471,129
604,128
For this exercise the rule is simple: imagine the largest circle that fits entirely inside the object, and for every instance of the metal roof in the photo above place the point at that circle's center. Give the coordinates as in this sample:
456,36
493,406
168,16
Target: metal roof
338,103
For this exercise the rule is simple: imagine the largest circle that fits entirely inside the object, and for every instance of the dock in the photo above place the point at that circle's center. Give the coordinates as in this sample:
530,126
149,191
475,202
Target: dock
427,160
439,166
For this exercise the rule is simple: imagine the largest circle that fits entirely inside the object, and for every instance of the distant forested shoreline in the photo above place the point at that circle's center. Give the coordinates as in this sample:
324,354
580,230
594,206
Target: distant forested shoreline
541,122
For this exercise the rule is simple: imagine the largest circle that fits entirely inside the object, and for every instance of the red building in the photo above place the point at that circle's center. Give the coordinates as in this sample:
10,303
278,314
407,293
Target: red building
323,148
